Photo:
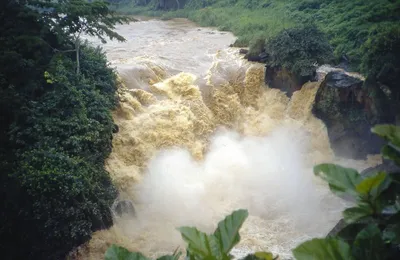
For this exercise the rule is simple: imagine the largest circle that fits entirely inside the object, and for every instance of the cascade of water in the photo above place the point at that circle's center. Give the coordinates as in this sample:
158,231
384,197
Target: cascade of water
190,150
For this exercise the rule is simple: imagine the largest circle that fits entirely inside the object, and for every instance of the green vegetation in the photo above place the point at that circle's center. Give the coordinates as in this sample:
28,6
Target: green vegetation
298,50
199,244
351,26
55,126
371,229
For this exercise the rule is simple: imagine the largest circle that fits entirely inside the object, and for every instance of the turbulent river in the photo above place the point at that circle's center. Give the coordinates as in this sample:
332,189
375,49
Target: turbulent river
200,135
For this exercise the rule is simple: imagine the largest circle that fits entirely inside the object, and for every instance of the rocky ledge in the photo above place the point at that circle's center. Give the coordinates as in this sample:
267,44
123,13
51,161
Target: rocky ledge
349,107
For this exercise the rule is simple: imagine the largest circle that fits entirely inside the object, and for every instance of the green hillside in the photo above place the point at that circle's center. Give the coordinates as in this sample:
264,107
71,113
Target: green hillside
351,26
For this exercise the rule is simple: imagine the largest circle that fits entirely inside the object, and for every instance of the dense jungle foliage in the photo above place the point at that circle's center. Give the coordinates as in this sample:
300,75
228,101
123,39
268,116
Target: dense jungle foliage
55,126
365,33
371,229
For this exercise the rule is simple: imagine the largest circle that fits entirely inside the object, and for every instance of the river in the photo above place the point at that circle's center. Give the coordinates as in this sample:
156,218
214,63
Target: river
200,135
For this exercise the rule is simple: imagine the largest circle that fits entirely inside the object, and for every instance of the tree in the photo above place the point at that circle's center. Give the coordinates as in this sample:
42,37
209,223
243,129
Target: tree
56,129
69,19
299,50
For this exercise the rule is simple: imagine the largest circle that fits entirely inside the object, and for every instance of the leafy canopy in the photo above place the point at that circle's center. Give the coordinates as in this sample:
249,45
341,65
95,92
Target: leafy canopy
299,50
58,127
71,18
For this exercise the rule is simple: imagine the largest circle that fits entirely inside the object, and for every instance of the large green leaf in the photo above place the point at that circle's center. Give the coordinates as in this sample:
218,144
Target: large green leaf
341,180
260,256
323,249
392,232
390,133
374,185
227,232
119,253
175,256
369,244
391,153
264,255
352,215
168,257
349,232
201,245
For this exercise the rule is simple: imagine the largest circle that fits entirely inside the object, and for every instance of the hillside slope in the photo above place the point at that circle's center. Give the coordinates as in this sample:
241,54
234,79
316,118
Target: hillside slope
351,26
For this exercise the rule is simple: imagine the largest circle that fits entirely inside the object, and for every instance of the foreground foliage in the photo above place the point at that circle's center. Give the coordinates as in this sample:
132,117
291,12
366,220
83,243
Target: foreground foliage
55,127
201,245
371,230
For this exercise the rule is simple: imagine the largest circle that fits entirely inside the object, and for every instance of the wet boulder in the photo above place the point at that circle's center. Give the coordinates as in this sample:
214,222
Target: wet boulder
115,128
124,208
349,108
255,56
280,78
243,51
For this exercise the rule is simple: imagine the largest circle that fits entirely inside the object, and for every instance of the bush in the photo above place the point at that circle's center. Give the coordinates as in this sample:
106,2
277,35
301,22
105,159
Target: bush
62,201
382,56
299,50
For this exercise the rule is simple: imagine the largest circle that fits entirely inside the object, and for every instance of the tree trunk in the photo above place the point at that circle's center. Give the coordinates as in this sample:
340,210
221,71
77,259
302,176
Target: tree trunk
77,48
177,2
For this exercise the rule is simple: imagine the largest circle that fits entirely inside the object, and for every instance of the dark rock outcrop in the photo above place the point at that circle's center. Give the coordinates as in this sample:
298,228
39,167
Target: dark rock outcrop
349,108
243,51
256,57
115,128
387,166
124,207
284,80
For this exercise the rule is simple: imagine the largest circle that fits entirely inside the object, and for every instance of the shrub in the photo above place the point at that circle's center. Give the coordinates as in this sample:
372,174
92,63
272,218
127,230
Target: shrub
62,201
299,50
382,56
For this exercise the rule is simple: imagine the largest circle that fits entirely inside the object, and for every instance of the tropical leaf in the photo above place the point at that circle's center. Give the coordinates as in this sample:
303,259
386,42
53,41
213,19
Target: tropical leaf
264,255
260,256
390,133
388,152
373,186
227,232
119,253
175,256
352,215
201,245
323,249
341,180
168,257
392,232
368,244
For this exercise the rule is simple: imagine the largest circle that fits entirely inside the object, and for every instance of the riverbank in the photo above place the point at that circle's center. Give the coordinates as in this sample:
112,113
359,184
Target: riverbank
350,26
248,25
